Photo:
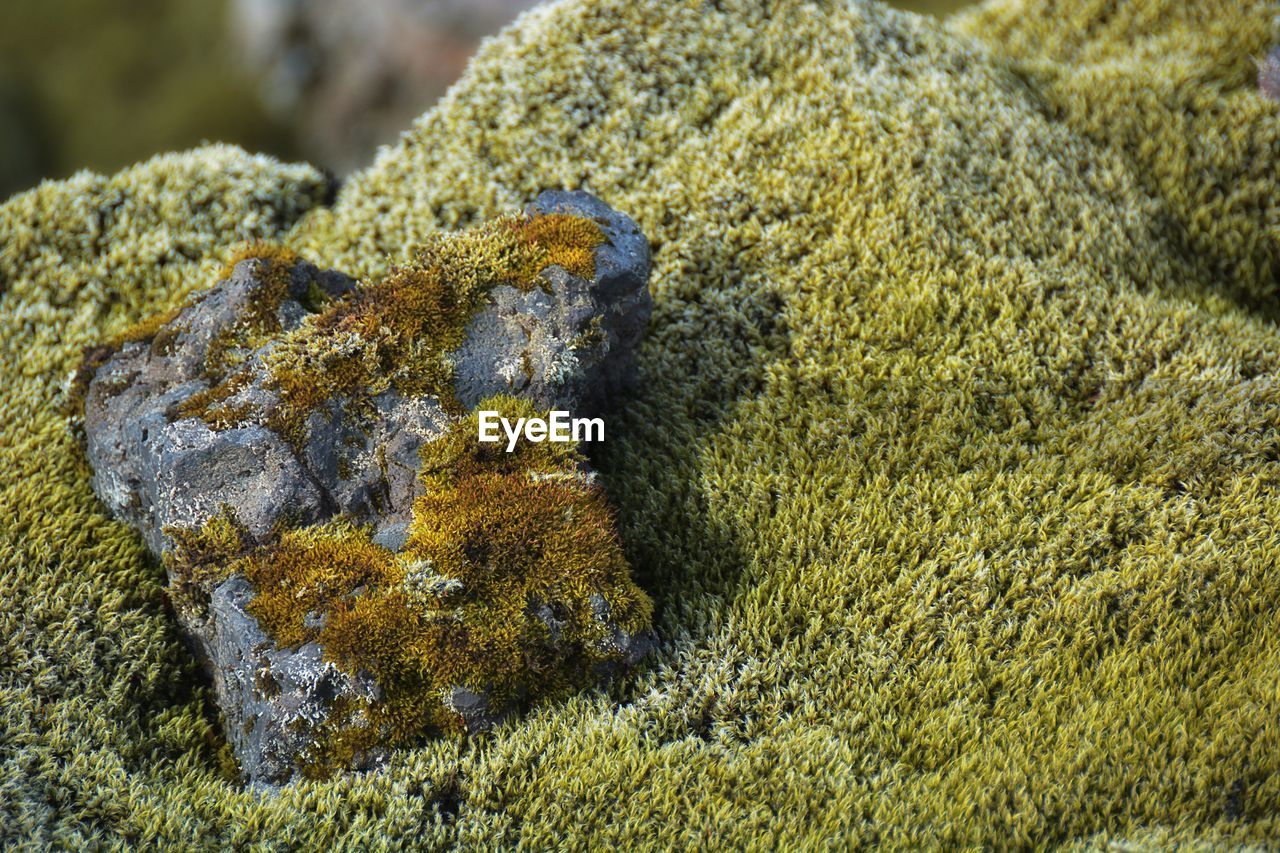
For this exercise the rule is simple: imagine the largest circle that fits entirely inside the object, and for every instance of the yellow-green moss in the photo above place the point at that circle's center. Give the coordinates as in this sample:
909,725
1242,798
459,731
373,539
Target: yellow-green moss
951,468
203,557
457,455
1184,107
211,406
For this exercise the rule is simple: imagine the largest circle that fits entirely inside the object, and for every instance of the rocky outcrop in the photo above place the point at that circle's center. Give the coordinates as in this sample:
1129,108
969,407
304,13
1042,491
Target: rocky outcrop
288,397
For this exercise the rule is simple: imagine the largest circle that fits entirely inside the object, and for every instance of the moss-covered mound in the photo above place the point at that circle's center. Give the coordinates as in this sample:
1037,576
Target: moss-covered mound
952,473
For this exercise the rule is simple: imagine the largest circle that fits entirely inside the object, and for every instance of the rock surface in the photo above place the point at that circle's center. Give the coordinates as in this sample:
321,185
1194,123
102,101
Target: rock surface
165,470
156,470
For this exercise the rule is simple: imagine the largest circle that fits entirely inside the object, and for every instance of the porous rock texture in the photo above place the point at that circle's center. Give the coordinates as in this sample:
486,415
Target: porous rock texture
951,465
154,468
168,468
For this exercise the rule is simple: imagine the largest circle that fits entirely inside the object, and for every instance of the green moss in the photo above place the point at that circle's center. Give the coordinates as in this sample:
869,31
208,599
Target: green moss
591,337
211,406
1203,143
952,467
145,330
457,455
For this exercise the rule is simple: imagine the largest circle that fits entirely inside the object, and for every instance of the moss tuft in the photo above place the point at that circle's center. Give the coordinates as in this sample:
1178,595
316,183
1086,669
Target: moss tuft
203,557
211,406
275,255
557,239
458,455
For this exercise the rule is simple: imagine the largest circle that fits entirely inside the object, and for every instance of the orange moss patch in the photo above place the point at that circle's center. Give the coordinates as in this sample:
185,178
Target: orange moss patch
263,250
558,239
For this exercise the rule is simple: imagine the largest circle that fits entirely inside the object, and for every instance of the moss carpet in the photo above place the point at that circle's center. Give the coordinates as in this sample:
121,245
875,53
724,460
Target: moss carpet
952,469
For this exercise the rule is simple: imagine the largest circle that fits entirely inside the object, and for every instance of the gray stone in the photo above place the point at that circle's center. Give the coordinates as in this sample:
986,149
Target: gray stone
571,348
474,710
156,469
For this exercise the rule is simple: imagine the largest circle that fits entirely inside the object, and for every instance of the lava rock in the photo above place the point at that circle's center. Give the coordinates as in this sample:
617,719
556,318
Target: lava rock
155,470
570,347
273,700
162,469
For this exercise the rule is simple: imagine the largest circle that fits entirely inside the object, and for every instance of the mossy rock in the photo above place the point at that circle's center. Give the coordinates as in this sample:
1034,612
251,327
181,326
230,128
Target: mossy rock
952,468
353,566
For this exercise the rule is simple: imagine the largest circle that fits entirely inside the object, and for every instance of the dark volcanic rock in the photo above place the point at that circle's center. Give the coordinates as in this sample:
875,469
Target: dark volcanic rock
567,346
574,345
272,698
155,470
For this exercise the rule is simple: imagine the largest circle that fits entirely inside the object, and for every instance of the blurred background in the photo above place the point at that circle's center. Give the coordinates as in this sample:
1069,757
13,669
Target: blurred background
100,84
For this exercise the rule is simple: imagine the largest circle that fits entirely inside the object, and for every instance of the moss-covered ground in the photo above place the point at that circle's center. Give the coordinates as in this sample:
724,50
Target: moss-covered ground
951,471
